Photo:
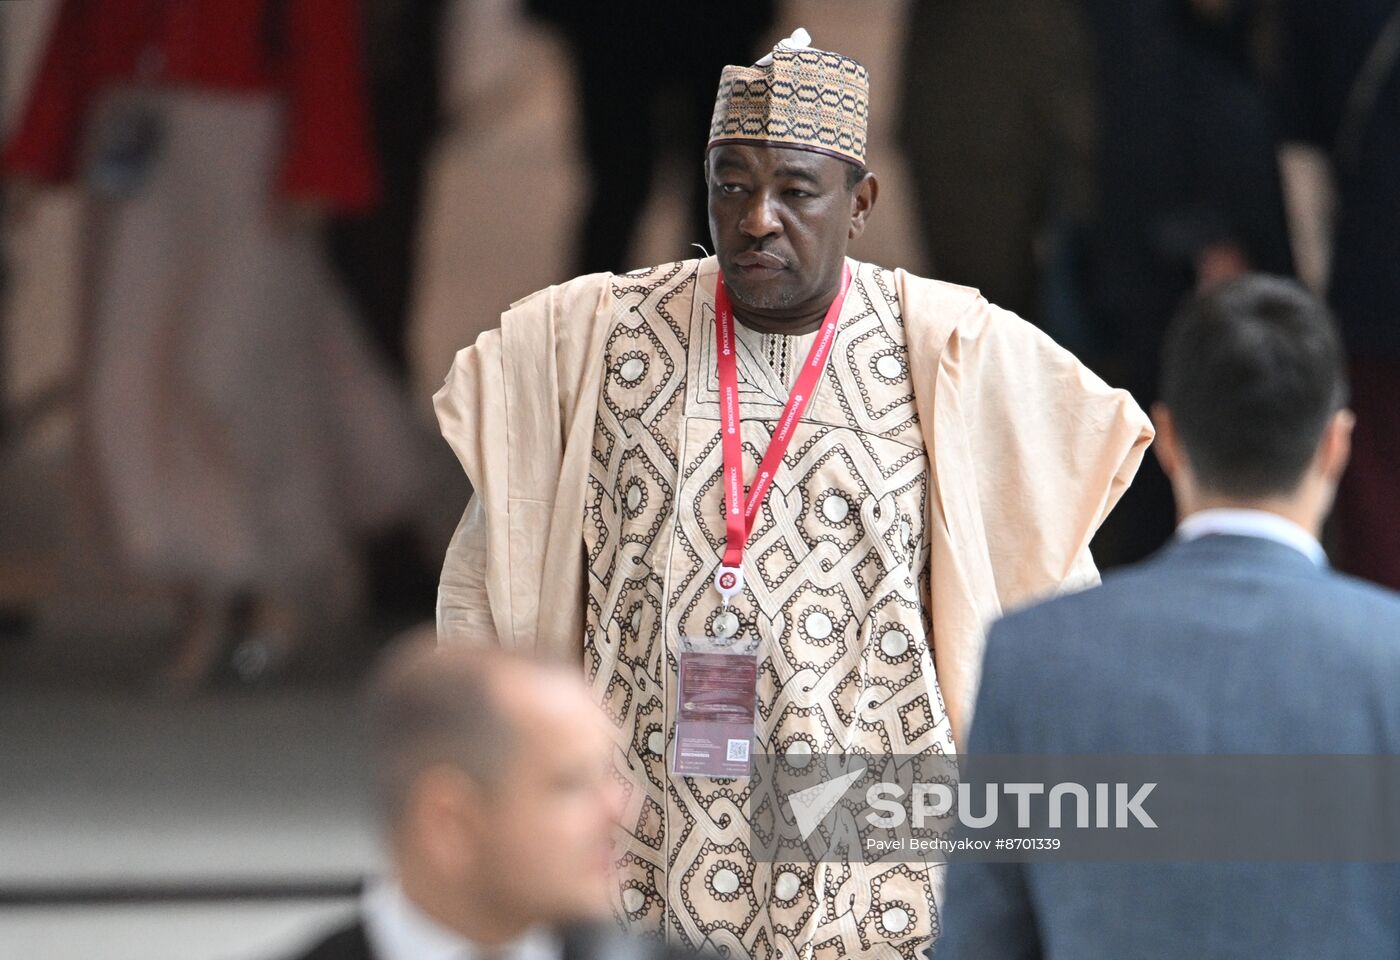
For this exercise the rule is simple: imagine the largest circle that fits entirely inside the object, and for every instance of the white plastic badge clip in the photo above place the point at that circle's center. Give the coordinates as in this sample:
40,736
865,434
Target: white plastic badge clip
729,581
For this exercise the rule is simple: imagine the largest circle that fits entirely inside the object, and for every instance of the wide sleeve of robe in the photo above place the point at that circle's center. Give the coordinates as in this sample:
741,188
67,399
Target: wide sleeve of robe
518,410
1029,451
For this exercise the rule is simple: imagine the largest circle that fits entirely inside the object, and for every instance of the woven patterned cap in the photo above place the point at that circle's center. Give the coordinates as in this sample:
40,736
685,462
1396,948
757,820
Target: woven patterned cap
809,99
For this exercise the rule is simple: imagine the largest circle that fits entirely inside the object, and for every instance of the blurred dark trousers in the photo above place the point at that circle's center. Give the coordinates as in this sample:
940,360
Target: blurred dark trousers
376,253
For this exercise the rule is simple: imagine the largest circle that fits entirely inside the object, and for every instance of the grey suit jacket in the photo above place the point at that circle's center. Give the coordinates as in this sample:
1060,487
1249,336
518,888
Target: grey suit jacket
1226,644
602,941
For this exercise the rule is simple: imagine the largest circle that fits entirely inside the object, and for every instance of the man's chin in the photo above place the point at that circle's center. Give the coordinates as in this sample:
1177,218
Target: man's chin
759,296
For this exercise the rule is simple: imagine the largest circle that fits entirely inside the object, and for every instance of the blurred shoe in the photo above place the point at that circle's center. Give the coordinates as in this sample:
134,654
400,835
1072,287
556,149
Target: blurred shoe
269,645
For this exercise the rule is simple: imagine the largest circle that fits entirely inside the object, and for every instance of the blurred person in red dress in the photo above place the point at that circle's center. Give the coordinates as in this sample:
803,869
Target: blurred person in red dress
235,433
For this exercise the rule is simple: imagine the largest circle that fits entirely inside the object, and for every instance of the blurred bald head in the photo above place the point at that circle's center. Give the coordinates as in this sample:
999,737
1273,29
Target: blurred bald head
432,706
493,773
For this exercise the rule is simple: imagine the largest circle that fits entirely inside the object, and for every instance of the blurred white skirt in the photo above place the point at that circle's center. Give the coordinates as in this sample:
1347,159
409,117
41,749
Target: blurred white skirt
239,429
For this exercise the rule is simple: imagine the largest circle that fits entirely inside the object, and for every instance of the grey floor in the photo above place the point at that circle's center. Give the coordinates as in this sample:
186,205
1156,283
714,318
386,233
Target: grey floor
105,796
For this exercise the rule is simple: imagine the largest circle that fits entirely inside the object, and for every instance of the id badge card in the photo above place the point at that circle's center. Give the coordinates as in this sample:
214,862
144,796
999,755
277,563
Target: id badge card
715,699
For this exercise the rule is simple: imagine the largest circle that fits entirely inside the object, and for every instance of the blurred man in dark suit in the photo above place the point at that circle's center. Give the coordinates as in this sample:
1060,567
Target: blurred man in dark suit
1234,639
493,778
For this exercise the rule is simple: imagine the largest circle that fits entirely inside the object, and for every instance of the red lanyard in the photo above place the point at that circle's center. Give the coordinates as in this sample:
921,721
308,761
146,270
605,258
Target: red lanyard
739,513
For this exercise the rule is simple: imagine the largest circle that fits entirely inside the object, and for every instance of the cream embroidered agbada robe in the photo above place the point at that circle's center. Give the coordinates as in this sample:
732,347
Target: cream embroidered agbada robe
952,462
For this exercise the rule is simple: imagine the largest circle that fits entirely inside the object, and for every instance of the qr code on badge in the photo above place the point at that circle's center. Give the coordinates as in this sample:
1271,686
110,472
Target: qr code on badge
738,751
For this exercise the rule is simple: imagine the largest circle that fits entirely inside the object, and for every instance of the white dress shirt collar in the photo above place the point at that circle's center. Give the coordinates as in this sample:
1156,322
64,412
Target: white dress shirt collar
398,930
1243,522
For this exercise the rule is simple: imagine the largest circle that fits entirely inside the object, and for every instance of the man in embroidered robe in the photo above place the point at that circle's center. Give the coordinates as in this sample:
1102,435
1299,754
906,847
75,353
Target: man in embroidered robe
951,462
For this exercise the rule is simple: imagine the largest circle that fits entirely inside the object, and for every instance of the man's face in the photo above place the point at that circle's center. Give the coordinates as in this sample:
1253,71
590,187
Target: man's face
549,847
781,219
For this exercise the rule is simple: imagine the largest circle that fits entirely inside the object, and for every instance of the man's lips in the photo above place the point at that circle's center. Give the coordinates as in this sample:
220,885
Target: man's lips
758,260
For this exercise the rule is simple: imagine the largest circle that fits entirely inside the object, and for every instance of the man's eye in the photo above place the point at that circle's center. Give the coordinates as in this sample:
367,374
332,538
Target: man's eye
730,188
799,194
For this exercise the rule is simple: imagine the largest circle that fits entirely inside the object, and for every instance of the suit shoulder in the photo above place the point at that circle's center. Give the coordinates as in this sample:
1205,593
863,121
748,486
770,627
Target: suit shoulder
1128,587
344,943
1380,602
596,941
1084,605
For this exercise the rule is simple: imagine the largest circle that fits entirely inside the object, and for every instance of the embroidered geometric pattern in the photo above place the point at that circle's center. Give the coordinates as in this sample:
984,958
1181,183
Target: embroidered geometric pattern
835,590
812,99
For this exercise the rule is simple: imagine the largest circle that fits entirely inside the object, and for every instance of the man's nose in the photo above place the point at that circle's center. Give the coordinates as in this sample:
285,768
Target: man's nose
760,219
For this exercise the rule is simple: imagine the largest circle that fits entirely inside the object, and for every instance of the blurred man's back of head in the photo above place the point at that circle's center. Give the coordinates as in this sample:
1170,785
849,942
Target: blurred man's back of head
1252,373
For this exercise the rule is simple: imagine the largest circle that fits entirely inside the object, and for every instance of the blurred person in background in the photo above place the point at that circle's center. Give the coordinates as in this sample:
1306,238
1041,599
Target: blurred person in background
16,612
1189,192
1234,639
499,806
1341,92
996,119
234,431
644,73
376,251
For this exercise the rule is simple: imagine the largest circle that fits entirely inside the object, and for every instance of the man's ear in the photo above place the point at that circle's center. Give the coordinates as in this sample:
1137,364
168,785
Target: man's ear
1334,450
446,813
1166,444
862,202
